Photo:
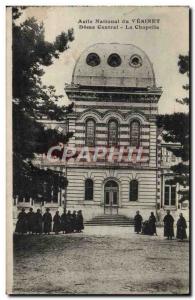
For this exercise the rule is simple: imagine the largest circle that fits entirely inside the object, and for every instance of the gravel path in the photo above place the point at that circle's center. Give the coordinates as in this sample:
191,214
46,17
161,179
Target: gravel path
102,260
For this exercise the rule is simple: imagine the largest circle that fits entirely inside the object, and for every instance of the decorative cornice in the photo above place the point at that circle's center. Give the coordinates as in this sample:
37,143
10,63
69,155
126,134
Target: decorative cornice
134,113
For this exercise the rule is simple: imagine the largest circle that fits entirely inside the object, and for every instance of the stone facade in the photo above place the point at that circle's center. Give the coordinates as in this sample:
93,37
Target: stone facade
113,82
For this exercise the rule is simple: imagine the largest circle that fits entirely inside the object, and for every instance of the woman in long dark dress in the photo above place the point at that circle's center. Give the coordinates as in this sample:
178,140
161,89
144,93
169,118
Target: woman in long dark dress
38,221
63,222
79,221
152,224
22,223
47,220
56,223
168,225
181,228
74,221
68,222
31,221
138,222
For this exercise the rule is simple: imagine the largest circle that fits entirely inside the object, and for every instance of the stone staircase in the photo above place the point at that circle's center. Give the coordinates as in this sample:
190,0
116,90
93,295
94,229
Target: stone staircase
110,220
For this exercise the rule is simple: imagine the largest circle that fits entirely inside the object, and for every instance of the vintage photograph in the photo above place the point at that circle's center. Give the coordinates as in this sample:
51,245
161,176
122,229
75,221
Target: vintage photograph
98,120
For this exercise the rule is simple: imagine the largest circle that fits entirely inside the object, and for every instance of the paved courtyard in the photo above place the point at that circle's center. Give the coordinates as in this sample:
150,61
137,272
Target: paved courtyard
102,260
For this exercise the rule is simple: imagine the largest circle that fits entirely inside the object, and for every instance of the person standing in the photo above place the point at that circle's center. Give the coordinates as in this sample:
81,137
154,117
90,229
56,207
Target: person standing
68,222
79,221
63,222
152,224
56,223
47,220
168,225
138,222
73,221
181,228
31,221
22,225
38,221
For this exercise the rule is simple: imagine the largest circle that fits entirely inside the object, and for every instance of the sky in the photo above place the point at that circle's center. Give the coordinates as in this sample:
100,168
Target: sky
162,45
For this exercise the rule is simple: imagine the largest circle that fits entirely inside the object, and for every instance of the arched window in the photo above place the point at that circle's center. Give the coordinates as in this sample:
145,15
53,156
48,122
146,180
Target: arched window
111,184
134,134
90,133
88,189
133,190
112,133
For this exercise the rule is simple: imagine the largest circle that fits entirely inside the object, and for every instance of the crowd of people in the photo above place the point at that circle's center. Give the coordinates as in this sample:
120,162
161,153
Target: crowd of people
36,223
149,227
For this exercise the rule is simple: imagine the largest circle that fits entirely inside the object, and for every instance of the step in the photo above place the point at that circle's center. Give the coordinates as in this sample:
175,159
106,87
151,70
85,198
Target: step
126,221
104,220
110,220
119,225
109,223
94,221
95,224
110,217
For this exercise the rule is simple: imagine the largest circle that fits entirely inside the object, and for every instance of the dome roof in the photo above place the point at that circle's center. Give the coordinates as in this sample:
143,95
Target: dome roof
114,65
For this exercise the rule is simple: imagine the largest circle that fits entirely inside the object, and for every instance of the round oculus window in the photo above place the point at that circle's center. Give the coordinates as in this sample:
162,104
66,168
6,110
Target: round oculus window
93,59
114,60
135,61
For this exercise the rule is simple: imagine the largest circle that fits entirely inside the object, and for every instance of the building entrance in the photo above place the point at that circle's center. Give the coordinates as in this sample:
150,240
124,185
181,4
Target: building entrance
111,197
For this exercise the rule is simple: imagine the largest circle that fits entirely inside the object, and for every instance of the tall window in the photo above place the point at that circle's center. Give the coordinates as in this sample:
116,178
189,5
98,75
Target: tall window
90,133
88,189
48,192
170,195
135,134
133,190
112,133
55,193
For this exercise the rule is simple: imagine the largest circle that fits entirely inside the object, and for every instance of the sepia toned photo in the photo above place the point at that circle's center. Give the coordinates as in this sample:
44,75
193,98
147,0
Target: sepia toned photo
98,150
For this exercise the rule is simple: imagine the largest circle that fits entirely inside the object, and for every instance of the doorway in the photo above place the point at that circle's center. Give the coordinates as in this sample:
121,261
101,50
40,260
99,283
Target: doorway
111,197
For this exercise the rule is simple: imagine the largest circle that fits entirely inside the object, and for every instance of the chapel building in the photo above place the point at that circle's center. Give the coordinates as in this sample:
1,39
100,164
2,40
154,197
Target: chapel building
116,102
115,107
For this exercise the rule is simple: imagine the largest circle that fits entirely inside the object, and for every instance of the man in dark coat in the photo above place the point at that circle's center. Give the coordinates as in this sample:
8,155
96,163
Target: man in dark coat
74,221
181,228
69,222
56,223
31,221
38,221
79,221
22,224
63,221
138,222
47,220
168,225
152,224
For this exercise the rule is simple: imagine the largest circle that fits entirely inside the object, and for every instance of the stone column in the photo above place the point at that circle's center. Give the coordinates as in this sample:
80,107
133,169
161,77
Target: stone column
59,198
163,190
